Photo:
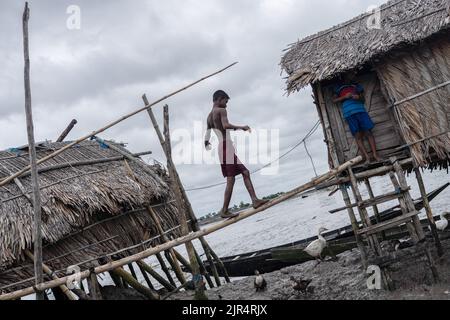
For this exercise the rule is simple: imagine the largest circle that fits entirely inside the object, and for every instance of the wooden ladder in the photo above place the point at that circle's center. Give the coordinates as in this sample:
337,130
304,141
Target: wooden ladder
372,232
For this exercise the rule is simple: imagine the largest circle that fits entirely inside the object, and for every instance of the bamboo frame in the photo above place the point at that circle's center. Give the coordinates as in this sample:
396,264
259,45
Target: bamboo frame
189,237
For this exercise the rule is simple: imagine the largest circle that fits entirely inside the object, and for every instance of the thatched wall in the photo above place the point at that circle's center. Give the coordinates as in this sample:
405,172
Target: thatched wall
352,44
76,199
406,73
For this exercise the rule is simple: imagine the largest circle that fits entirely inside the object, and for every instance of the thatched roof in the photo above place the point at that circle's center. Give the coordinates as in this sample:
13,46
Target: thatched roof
352,44
86,208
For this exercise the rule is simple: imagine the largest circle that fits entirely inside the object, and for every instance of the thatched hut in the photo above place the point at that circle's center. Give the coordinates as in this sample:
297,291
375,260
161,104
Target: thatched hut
405,53
400,54
93,207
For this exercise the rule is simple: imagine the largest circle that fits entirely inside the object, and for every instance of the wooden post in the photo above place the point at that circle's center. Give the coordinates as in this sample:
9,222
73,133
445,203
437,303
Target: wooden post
37,228
146,278
363,212
67,130
197,277
132,271
94,287
374,207
135,284
164,266
355,226
204,272
409,201
426,204
155,275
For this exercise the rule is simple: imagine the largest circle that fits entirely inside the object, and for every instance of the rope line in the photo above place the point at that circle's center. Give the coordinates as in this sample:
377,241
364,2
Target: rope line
308,135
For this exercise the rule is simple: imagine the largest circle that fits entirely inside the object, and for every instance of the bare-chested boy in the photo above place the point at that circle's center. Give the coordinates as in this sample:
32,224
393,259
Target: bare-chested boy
230,164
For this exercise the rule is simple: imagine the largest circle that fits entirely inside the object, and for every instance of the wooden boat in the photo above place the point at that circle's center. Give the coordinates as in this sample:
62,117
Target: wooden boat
339,240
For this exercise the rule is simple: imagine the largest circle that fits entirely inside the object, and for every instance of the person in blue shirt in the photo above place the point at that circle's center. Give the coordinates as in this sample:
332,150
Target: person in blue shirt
351,97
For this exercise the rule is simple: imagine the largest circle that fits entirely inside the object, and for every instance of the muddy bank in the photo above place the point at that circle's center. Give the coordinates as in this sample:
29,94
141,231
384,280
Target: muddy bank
342,279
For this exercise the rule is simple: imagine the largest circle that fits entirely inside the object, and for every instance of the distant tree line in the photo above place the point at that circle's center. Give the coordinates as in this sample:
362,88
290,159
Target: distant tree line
241,206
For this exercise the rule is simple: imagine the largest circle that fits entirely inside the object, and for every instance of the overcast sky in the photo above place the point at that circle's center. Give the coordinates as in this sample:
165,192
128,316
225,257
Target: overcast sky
126,48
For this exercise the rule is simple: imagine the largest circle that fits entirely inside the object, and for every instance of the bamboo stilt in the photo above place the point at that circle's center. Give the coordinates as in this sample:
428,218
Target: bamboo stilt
363,213
116,279
374,207
146,278
194,262
189,237
135,284
183,261
429,212
165,143
355,226
165,269
37,232
155,275
94,287
132,271
204,272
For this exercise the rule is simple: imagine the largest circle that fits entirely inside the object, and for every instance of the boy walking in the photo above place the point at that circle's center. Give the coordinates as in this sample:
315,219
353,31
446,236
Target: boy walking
229,162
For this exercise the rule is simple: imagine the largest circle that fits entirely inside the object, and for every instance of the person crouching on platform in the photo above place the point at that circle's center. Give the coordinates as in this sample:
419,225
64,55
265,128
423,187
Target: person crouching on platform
229,162
352,97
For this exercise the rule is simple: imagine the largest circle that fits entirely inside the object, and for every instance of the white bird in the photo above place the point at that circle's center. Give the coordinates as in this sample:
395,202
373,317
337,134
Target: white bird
315,248
260,282
442,224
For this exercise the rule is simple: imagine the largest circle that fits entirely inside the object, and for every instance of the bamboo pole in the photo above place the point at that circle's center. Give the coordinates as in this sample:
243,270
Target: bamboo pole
146,278
37,228
50,273
155,275
133,272
204,272
135,284
67,130
189,237
129,115
164,266
194,221
94,287
374,207
194,262
429,212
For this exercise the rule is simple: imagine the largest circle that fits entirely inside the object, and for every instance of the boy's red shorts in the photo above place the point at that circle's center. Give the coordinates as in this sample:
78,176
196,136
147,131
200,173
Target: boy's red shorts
229,162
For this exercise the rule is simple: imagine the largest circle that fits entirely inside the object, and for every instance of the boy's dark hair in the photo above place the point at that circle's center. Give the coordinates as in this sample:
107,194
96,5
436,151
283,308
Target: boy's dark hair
220,94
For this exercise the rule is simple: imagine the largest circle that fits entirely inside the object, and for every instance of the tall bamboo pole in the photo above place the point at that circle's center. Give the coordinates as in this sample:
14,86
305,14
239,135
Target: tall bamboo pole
187,204
197,277
111,124
189,237
37,230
